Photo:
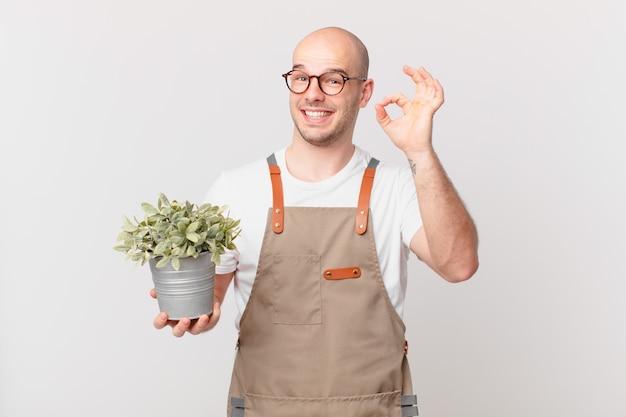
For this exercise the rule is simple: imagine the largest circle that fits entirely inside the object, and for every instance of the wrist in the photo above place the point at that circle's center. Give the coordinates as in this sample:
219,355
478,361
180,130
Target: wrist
422,158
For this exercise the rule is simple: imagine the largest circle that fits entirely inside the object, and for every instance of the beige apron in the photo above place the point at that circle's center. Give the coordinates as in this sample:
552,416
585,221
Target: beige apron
319,336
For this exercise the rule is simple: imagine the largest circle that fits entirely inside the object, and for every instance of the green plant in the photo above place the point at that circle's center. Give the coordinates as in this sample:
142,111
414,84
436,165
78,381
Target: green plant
174,230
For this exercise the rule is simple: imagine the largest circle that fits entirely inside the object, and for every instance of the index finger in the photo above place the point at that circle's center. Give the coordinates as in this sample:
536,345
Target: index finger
160,321
419,75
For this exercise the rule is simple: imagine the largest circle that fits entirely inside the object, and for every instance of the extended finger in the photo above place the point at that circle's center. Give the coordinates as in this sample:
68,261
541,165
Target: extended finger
200,325
160,321
438,90
425,76
410,71
181,327
419,75
211,320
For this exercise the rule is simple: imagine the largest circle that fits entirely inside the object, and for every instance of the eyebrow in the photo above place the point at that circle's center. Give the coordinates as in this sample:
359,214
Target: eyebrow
339,70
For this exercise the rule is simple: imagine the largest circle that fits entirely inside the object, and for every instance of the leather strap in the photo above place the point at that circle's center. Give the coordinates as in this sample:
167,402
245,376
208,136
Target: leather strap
278,205
362,210
342,273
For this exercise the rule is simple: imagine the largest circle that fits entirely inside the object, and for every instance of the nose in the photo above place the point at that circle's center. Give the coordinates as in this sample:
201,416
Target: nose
314,92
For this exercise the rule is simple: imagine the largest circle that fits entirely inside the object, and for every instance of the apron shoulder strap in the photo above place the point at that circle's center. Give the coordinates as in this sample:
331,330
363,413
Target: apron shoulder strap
278,204
362,210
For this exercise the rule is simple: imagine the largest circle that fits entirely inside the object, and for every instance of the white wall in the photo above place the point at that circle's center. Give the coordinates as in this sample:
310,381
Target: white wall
105,103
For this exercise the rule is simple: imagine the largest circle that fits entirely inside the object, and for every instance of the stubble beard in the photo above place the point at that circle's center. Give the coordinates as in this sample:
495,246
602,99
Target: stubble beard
325,139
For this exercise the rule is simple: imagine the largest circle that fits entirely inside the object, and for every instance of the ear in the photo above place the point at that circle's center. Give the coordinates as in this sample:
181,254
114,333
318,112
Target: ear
367,89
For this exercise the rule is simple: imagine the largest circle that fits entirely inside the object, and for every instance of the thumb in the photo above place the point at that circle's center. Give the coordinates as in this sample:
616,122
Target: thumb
160,321
217,308
382,117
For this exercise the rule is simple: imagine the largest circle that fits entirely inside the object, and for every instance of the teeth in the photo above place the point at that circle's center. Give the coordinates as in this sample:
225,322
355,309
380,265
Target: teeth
317,113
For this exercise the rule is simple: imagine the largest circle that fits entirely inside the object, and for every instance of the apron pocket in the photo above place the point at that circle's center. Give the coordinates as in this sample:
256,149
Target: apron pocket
385,404
297,290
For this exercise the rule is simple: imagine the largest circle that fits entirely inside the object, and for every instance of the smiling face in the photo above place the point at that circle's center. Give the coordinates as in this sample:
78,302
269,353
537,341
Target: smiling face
323,120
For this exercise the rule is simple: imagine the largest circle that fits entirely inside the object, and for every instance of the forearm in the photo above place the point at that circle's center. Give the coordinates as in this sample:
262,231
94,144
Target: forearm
451,240
222,282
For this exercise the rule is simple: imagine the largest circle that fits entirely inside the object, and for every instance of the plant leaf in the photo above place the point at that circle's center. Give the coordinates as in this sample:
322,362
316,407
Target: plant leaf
161,247
194,237
163,262
128,227
176,230
149,208
193,227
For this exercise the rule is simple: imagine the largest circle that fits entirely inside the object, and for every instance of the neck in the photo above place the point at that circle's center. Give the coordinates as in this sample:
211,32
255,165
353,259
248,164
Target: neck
312,163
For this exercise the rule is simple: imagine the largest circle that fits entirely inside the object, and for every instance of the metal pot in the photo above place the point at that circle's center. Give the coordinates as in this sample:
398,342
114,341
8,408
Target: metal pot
187,292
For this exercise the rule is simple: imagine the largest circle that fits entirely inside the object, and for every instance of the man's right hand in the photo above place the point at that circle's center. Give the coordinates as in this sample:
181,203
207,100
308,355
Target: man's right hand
202,324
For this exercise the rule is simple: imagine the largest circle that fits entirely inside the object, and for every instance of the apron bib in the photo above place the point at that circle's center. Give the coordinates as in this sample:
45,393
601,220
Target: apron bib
319,336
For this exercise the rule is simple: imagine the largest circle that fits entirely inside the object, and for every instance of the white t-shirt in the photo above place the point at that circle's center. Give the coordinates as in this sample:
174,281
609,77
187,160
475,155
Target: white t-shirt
247,191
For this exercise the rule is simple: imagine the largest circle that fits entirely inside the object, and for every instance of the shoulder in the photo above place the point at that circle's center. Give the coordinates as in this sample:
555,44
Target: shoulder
244,173
242,182
390,173
389,177
363,158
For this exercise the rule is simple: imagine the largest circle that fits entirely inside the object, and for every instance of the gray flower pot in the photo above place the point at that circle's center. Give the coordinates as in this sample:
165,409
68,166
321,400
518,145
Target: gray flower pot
187,292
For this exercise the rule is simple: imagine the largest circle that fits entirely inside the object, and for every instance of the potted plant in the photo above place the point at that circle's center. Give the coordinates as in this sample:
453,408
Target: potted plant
182,242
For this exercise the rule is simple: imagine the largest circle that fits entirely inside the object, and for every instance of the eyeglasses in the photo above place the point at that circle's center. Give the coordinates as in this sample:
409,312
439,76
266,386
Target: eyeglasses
331,83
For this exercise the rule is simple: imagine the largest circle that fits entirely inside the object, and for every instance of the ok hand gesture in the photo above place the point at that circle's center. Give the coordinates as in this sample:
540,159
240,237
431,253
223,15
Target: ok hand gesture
412,132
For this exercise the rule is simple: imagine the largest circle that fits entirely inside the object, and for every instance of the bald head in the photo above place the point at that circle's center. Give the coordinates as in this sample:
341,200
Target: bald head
336,38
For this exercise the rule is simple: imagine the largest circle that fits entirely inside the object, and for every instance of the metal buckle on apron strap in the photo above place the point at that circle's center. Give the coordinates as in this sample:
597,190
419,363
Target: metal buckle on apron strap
409,405
238,405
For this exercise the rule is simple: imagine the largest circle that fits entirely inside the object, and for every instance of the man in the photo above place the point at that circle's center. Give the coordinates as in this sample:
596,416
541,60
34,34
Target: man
320,276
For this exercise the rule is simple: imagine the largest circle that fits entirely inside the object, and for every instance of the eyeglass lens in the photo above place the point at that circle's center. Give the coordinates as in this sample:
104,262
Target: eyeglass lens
330,83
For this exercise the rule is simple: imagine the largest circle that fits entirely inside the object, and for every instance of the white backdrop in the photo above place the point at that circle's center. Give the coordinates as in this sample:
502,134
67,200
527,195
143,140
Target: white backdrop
103,104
